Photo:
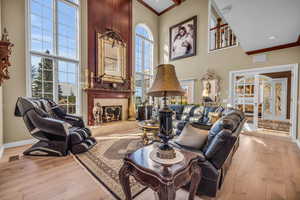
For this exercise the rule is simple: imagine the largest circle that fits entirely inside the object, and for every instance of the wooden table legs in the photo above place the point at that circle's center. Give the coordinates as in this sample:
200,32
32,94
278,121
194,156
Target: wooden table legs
166,191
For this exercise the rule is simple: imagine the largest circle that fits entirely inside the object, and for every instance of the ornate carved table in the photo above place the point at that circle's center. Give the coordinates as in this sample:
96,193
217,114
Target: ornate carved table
163,179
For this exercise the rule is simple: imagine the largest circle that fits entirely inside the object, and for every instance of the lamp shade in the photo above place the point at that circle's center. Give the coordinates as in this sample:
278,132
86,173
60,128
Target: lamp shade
166,82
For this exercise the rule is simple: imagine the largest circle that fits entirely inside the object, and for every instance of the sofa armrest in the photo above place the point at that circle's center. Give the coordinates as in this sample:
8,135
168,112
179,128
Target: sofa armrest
196,151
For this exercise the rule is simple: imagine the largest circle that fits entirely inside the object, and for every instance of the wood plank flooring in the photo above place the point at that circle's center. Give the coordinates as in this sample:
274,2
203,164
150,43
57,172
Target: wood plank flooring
263,168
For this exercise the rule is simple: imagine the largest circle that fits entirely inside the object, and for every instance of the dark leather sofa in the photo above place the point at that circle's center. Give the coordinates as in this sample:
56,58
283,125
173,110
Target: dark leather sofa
57,132
193,114
217,153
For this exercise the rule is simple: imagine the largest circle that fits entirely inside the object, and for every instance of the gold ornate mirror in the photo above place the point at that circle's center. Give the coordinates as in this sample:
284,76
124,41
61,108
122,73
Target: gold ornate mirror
111,59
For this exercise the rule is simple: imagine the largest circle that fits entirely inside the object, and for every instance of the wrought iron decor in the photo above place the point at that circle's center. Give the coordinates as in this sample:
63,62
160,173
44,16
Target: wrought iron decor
5,52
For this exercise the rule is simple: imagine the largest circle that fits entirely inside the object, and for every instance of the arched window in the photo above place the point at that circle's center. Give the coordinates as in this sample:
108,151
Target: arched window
143,61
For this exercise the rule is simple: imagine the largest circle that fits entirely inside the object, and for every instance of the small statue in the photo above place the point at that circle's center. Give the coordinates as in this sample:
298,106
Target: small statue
97,113
5,35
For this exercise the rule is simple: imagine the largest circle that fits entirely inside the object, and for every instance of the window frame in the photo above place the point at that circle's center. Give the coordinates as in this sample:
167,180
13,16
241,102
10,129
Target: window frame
55,57
151,41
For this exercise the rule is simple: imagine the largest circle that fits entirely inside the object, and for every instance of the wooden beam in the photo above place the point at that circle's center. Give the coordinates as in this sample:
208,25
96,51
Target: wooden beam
177,2
282,46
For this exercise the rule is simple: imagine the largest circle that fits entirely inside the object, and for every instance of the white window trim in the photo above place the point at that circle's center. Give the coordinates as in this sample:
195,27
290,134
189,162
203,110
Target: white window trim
55,58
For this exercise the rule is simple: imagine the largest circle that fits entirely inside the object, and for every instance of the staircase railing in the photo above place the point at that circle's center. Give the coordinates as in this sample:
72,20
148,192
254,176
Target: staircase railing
221,36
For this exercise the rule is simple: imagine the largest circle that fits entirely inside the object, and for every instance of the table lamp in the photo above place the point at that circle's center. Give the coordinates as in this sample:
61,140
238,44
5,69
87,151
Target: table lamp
165,84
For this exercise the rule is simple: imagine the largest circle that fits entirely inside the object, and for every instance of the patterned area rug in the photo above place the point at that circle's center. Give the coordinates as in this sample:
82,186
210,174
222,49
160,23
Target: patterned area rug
106,159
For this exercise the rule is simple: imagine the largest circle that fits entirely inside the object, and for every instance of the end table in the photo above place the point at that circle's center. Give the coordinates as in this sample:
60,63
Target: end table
163,179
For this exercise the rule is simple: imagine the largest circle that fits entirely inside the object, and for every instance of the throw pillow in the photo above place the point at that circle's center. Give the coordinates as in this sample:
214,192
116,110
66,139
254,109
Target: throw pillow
192,137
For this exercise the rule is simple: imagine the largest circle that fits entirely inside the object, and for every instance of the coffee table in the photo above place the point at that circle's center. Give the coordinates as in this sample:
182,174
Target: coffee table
163,179
148,126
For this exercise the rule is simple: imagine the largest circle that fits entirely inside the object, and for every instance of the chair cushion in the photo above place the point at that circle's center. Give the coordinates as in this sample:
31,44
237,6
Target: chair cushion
198,111
221,124
178,124
188,109
192,137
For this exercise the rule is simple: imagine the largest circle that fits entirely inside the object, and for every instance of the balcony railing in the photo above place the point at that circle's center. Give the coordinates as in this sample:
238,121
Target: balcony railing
221,36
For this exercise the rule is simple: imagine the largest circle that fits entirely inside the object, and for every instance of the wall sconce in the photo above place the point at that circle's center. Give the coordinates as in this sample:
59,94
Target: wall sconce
5,52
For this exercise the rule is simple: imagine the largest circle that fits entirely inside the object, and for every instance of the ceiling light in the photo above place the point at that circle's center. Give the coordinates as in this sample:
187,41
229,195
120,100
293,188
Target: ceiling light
272,37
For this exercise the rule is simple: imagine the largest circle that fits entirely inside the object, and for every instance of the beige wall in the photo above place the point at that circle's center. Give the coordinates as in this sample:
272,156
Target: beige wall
220,62
14,21
142,15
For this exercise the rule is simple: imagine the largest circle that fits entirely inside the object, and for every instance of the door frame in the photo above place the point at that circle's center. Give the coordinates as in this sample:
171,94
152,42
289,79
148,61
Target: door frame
269,69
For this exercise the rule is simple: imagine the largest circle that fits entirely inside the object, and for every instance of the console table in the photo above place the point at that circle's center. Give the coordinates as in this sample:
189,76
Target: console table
164,180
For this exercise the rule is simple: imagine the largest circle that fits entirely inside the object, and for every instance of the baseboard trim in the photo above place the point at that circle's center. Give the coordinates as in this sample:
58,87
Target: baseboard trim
19,143
1,151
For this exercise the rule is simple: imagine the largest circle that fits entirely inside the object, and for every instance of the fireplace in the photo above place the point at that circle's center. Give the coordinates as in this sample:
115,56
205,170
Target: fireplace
111,113
108,110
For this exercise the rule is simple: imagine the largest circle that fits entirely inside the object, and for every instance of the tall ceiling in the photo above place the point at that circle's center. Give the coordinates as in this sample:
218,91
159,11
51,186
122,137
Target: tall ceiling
160,6
261,24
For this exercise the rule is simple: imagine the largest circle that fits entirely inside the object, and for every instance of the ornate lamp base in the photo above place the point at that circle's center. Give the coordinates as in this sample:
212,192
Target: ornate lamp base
166,153
177,159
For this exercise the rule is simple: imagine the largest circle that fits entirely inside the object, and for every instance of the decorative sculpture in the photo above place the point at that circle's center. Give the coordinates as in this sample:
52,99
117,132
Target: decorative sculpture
97,113
211,86
5,52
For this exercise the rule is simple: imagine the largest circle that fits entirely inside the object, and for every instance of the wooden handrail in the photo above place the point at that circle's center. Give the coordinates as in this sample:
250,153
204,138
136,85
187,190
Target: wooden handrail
218,27
223,36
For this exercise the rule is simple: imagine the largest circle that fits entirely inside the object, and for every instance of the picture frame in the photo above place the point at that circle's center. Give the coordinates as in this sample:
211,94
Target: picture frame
183,39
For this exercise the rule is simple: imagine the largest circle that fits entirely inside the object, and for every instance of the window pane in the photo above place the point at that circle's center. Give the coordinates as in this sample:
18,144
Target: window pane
67,30
42,26
68,85
138,54
42,77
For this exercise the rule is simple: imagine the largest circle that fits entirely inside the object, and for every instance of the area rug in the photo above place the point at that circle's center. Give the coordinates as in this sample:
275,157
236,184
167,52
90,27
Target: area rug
106,159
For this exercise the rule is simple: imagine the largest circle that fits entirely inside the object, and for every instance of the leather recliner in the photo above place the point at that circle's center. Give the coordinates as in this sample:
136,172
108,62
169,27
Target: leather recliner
58,133
216,155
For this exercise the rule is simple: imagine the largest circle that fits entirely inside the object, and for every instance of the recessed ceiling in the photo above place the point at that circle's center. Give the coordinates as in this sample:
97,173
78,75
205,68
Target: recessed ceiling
159,5
262,24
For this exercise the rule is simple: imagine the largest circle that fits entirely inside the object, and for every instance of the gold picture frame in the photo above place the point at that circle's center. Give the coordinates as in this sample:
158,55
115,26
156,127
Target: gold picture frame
111,59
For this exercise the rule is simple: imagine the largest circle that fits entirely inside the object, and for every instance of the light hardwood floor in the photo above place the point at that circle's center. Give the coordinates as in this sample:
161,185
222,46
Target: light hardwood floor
264,168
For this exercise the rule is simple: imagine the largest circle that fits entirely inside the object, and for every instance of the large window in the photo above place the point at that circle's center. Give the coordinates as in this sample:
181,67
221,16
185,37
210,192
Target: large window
143,62
53,50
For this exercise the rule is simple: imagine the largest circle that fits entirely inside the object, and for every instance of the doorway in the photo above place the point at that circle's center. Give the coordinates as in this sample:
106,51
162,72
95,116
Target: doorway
268,97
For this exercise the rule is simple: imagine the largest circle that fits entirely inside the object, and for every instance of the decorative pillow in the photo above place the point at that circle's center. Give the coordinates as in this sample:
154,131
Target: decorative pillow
192,137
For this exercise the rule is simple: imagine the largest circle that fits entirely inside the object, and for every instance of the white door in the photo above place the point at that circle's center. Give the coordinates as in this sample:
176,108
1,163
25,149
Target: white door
278,100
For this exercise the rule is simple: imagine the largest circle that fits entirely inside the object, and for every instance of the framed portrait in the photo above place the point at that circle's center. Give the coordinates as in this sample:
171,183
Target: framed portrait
183,39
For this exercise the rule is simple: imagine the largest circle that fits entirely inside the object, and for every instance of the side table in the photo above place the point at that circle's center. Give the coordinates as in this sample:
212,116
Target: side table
164,180
147,126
